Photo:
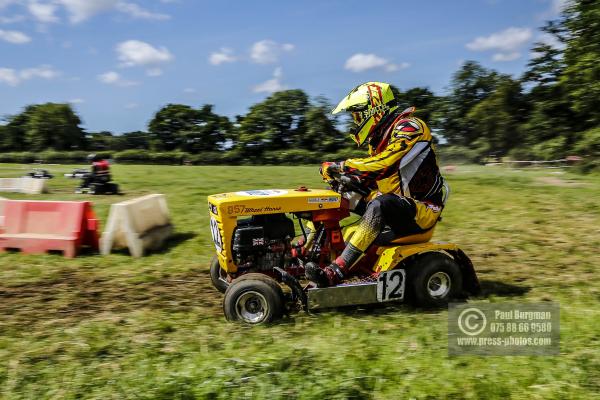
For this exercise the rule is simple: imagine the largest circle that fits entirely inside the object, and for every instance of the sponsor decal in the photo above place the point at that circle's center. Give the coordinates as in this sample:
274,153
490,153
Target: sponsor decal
433,207
269,192
216,234
258,242
242,209
261,209
313,200
380,109
399,135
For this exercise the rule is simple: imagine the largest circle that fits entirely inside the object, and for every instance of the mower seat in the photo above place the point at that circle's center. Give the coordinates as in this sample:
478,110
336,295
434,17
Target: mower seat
388,238
416,238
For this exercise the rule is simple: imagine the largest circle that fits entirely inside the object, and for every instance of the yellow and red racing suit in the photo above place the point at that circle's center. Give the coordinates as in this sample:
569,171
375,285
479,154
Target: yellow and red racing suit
405,179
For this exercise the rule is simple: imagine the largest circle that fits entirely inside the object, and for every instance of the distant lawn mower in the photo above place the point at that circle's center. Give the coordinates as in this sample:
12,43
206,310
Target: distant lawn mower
38,173
260,261
93,183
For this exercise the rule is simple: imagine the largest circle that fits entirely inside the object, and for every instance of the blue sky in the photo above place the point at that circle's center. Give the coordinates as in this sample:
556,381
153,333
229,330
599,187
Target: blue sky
119,61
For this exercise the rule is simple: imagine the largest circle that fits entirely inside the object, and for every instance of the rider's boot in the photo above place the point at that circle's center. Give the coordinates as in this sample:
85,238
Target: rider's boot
324,277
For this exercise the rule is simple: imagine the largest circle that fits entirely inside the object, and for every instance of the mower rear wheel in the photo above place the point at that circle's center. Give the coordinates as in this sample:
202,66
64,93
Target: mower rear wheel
435,279
253,299
113,188
218,277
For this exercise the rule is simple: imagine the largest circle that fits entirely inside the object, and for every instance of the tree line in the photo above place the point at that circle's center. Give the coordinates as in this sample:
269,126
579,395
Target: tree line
551,111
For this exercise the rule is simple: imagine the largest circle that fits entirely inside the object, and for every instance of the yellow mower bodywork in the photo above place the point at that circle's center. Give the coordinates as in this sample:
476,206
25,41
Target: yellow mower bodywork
225,208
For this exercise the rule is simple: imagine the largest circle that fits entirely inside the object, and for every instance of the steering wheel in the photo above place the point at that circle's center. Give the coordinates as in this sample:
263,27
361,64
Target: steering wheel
344,183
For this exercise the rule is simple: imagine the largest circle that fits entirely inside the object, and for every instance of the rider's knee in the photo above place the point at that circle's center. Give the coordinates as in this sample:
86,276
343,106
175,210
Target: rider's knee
375,207
392,205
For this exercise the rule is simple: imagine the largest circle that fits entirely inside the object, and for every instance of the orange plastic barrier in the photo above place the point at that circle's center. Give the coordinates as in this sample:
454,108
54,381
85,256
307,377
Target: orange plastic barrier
2,200
40,226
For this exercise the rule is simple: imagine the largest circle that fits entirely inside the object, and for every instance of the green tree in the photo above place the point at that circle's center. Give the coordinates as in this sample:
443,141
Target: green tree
320,134
211,133
274,124
471,84
550,109
581,77
132,141
169,123
178,126
420,97
51,126
12,136
498,119
98,141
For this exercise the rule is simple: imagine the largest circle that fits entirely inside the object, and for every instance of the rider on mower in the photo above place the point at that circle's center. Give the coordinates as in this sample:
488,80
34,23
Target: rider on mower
401,172
100,171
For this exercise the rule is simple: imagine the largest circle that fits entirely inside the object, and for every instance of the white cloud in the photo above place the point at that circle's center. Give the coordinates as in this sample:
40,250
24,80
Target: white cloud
76,101
9,76
11,20
14,77
506,43
43,12
6,3
44,71
80,10
138,12
503,57
113,78
508,40
14,37
547,39
189,90
131,106
556,7
272,85
550,40
268,51
225,55
154,72
133,53
361,62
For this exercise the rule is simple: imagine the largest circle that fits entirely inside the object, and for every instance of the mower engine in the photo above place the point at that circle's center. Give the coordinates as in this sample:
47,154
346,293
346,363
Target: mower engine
262,242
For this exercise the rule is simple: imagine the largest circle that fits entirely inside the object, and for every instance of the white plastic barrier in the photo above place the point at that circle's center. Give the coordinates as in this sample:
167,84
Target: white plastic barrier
10,185
23,185
138,224
34,186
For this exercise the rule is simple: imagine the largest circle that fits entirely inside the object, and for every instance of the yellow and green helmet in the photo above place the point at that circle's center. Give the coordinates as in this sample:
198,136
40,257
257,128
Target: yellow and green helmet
368,104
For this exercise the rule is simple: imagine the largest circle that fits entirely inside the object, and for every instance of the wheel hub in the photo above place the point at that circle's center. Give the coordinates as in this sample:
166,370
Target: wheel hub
251,307
438,285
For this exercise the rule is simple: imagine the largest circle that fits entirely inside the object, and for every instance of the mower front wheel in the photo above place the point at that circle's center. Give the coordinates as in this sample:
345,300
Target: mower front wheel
253,299
218,277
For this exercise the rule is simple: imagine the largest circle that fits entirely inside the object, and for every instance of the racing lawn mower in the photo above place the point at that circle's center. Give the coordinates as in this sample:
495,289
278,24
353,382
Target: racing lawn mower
93,184
38,173
260,261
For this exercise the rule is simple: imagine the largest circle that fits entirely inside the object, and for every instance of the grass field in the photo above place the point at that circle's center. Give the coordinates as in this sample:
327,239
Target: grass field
121,328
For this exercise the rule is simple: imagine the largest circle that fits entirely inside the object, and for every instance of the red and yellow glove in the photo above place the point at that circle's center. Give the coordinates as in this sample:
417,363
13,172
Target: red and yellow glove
329,168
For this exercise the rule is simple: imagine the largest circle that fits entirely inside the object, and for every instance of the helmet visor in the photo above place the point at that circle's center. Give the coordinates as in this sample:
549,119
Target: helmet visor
357,118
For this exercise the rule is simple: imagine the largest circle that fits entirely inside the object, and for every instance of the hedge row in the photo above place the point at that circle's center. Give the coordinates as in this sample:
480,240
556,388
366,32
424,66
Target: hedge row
450,154
290,157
